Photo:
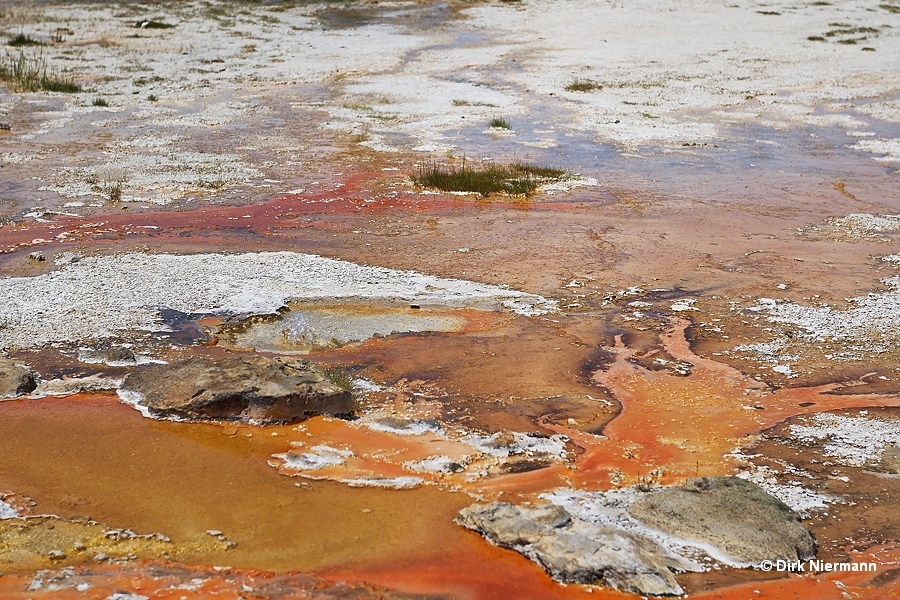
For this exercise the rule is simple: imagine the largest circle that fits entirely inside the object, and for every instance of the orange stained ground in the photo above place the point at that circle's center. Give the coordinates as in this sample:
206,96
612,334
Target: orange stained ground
670,428
686,426
430,575
320,209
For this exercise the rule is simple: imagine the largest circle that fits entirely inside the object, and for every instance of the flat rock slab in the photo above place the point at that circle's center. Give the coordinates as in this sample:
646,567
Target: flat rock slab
635,540
249,388
743,522
574,551
15,379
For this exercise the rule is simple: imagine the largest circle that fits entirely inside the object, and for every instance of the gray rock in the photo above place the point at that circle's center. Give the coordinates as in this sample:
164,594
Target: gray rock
252,388
110,355
15,379
736,517
574,551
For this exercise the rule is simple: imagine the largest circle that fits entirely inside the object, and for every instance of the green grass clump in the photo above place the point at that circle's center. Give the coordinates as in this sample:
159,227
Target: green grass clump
142,81
467,103
23,40
339,377
582,85
500,123
152,98
33,74
98,101
517,179
149,24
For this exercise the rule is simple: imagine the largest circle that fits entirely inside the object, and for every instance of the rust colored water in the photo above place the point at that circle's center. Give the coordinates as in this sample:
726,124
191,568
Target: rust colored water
685,426
92,456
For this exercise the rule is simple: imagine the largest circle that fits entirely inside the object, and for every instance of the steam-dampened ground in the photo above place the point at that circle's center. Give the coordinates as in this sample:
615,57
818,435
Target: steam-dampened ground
711,289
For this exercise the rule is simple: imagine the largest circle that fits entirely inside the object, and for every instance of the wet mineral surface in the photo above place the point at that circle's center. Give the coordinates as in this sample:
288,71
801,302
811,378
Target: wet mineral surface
710,290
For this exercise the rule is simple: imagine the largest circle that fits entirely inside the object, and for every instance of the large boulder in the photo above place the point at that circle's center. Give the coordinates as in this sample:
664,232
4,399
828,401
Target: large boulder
741,521
15,379
249,388
575,551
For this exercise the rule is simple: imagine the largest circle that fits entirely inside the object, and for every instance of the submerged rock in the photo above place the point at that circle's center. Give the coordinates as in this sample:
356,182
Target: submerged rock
575,551
110,355
15,379
251,388
741,521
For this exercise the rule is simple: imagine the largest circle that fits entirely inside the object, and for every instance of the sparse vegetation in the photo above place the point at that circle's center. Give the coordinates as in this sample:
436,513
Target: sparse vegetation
112,184
98,101
59,36
152,98
517,179
500,123
816,38
583,85
846,30
142,81
467,103
115,192
31,73
23,40
338,377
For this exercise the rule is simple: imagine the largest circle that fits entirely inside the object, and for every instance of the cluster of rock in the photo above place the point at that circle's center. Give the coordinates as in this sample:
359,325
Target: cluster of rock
245,387
650,536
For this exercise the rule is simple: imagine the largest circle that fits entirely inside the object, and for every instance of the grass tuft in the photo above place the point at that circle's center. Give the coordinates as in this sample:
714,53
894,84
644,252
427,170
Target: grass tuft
152,98
516,179
142,81
33,74
583,85
23,40
339,377
500,123
98,101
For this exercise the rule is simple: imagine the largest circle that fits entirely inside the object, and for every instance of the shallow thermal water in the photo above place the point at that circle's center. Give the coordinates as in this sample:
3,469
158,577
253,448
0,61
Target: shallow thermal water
651,324
331,327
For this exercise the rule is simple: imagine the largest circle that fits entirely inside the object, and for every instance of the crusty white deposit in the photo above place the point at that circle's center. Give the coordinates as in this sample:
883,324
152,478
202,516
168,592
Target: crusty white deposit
106,296
667,74
7,511
870,324
851,440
